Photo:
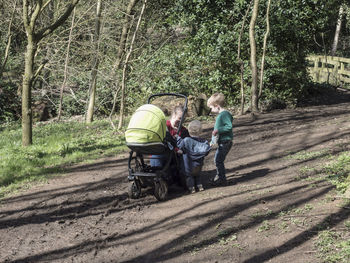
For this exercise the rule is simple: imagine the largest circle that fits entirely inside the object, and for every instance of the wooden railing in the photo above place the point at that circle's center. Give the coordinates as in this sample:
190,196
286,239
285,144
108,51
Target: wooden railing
331,70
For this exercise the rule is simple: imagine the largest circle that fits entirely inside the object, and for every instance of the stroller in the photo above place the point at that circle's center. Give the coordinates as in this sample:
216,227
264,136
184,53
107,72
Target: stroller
147,135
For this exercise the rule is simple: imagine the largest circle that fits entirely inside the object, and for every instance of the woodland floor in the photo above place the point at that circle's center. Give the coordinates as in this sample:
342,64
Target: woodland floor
269,212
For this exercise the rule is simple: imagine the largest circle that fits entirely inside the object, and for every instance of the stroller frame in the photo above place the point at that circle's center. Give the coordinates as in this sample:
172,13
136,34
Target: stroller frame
142,175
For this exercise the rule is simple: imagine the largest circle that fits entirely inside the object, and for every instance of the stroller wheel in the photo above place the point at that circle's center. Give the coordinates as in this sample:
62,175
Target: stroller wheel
160,189
134,190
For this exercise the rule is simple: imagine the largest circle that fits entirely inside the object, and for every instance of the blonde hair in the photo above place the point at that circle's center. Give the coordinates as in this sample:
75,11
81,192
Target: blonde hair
216,99
177,108
195,128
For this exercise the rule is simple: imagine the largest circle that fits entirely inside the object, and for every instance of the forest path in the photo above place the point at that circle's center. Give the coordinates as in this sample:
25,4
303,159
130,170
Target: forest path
271,211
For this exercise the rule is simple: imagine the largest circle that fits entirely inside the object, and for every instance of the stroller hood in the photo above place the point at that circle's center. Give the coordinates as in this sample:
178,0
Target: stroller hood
147,125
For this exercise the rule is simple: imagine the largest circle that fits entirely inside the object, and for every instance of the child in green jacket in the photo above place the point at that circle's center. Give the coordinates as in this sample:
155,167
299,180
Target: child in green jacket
223,132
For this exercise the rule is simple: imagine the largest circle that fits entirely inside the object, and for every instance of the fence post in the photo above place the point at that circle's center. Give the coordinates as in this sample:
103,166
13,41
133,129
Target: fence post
335,73
316,69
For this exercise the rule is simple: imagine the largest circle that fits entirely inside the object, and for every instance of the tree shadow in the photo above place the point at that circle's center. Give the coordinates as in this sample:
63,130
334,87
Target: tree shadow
329,222
171,249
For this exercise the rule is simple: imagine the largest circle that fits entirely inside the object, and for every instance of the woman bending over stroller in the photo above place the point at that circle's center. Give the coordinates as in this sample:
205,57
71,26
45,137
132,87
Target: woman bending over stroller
174,122
172,127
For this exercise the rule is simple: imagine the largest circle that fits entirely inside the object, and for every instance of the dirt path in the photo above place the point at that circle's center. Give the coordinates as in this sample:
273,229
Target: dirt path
271,211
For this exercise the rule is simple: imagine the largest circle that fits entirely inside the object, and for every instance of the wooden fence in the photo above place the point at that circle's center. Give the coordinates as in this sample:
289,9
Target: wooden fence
331,70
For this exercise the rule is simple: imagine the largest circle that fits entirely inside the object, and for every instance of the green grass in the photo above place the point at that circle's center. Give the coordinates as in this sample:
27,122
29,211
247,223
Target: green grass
334,168
54,146
333,247
305,155
265,226
338,171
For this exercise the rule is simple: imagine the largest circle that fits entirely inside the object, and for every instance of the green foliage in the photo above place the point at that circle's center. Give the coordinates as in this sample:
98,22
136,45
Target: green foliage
55,145
212,43
182,46
10,109
265,226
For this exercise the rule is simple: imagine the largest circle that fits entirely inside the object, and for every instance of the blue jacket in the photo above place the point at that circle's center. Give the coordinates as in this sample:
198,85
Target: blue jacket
194,150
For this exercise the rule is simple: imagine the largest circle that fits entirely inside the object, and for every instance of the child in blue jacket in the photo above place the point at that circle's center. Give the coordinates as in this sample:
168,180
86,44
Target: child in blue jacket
194,150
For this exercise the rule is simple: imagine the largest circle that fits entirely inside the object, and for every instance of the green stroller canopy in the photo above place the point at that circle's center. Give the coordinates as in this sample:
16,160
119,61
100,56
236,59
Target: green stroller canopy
147,124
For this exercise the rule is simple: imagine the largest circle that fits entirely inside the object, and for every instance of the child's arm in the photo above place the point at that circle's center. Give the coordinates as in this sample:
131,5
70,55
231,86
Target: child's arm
214,140
180,142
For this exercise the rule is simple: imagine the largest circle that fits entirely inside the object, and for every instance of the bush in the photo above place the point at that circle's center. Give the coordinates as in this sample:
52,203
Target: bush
10,102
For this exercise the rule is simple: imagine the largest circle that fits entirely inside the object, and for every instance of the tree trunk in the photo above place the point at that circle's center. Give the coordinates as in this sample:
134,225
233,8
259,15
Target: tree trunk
66,68
90,110
121,48
253,64
27,92
121,114
264,48
240,60
31,12
337,31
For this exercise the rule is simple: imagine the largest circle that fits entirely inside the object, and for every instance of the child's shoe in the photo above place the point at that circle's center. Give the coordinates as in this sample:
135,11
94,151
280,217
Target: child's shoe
192,190
214,181
200,188
217,181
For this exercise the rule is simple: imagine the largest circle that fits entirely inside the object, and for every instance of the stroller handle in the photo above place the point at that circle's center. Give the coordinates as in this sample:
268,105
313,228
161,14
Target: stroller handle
176,95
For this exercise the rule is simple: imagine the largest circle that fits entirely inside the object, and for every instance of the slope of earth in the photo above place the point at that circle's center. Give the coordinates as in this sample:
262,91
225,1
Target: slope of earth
270,211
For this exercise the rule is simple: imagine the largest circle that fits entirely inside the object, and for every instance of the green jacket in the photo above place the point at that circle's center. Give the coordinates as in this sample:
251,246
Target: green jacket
223,124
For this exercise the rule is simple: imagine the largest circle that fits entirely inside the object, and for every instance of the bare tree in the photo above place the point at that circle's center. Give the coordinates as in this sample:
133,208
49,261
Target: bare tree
264,48
253,64
121,50
92,90
9,39
121,114
31,13
65,73
240,61
337,31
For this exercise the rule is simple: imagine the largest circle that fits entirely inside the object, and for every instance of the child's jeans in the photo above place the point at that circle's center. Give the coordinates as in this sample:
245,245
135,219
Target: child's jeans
220,155
194,178
158,160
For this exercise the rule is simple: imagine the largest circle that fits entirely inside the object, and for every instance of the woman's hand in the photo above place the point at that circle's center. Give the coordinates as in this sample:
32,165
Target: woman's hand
215,132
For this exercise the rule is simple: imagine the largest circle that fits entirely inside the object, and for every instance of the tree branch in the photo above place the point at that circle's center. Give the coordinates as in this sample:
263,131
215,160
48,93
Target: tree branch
45,5
46,31
25,14
121,115
35,14
9,39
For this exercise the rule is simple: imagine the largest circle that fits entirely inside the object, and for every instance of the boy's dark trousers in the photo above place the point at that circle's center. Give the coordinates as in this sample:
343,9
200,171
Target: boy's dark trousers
194,178
223,148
